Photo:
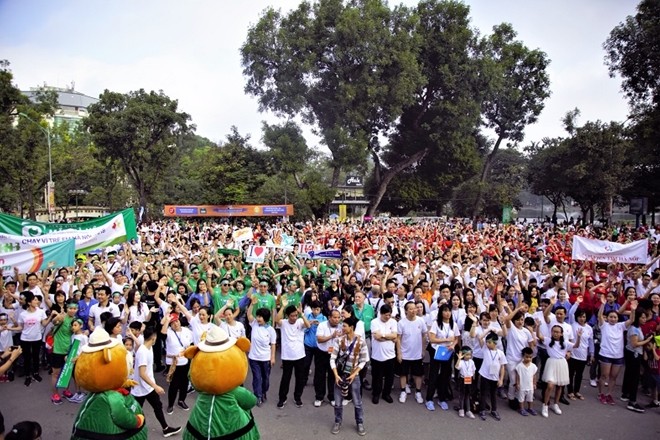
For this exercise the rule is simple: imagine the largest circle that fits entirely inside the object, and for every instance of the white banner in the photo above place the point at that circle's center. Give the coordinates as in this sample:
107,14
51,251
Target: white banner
255,254
609,251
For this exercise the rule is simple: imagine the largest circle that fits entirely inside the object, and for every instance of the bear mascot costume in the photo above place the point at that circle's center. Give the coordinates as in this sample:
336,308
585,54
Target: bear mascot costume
218,367
109,411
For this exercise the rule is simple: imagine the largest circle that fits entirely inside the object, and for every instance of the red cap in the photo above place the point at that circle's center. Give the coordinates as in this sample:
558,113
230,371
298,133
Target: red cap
600,290
174,317
575,286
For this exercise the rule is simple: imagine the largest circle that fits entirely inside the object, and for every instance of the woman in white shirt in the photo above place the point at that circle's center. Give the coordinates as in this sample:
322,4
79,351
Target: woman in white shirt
178,339
135,310
199,323
444,333
581,353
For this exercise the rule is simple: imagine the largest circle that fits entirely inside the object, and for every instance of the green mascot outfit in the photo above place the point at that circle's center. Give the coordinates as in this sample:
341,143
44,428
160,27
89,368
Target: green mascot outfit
109,412
218,367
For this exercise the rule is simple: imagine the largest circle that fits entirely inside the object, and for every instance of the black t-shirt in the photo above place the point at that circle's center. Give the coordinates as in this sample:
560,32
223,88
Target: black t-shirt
150,301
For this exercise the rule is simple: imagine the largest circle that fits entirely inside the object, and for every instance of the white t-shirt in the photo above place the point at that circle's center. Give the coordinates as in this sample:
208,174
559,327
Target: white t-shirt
262,337
467,368
582,351
611,340
199,329
236,331
96,310
568,330
411,334
517,339
383,350
143,357
293,335
444,332
135,315
493,360
31,323
556,352
174,345
526,374
459,316
325,330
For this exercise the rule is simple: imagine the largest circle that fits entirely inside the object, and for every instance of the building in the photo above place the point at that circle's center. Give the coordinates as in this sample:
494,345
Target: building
350,200
72,104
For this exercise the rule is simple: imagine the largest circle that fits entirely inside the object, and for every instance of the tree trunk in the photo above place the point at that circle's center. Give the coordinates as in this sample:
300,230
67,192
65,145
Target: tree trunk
591,215
335,176
32,211
554,213
387,177
484,174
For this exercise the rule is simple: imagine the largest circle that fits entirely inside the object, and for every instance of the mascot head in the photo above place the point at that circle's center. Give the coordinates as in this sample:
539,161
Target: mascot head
102,365
219,363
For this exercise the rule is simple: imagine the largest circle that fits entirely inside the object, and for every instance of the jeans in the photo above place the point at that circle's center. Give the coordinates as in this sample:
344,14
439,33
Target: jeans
382,375
575,371
324,379
289,367
260,377
178,385
357,401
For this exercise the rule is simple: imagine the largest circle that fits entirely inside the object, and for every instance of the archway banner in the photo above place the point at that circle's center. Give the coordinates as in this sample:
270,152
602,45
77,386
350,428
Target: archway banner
227,210
17,233
609,251
38,258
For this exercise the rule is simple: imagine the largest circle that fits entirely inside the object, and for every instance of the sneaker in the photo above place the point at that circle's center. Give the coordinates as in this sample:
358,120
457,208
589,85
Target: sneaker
375,400
73,398
298,403
532,412
170,431
36,377
461,413
260,402
444,406
556,409
610,400
408,390
170,410
624,398
418,397
318,403
430,406
332,403
360,429
593,383
387,398
544,411
495,415
67,394
564,400
602,399
402,396
28,381
80,397
335,428
654,404
281,404
346,402
366,385
183,405
523,412
56,399
482,415
264,398
469,415
633,406
191,389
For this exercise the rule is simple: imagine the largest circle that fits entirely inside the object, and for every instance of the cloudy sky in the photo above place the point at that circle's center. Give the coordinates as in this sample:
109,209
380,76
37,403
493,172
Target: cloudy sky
190,50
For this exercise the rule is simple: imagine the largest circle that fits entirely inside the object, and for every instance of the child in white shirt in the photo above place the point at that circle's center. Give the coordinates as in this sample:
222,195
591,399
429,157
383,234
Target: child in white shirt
466,369
526,382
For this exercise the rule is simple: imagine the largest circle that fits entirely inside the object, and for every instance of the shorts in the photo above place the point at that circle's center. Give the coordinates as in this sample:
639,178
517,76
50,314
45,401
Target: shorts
606,360
414,367
57,360
525,396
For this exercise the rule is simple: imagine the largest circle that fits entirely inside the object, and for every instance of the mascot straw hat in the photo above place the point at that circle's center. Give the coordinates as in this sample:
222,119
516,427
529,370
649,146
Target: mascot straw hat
216,340
99,340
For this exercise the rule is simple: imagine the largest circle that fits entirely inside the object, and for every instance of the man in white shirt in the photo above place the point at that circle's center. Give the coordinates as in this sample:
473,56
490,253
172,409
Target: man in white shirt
103,295
324,380
411,338
293,351
147,388
383,340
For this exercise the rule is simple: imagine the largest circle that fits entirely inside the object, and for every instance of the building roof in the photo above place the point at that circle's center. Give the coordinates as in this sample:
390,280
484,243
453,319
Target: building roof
67,98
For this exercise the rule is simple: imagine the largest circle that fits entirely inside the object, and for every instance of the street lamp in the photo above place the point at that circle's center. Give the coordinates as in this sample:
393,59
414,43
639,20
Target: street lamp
51,184
77,192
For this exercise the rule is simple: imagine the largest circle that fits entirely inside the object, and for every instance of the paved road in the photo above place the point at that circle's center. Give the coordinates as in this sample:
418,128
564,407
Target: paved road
581,420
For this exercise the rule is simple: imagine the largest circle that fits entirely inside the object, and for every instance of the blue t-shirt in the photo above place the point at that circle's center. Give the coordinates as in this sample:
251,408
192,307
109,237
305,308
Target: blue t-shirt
310,333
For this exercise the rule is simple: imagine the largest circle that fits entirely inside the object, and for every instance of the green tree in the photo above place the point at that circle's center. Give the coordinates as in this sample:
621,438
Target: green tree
141,131
546,172
346,67
517,87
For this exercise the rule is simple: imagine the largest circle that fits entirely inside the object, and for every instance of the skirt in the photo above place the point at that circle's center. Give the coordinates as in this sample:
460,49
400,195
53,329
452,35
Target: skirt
556,372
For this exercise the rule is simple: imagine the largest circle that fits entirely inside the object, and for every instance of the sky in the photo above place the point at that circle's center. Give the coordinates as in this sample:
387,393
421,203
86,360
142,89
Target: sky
190,50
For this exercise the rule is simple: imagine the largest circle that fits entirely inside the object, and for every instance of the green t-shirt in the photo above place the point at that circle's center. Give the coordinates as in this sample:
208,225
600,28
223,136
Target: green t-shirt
62,338
219,301
266,301
233,273
365,315
293,299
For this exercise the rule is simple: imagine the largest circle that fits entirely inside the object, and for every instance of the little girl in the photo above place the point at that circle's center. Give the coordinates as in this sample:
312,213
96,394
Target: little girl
492,375
77,334
555,374
466,368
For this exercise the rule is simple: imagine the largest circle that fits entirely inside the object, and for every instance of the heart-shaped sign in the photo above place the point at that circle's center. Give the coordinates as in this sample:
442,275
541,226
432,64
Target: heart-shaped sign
258,250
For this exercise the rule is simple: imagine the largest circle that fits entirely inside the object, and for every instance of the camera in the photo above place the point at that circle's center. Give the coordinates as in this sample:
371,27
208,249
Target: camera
344,386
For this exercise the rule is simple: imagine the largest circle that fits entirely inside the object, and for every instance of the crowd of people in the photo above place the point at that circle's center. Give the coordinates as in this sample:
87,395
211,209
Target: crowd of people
435,311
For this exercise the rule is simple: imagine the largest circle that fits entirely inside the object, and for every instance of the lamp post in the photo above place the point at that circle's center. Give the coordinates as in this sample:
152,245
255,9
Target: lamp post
51,184
77,192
